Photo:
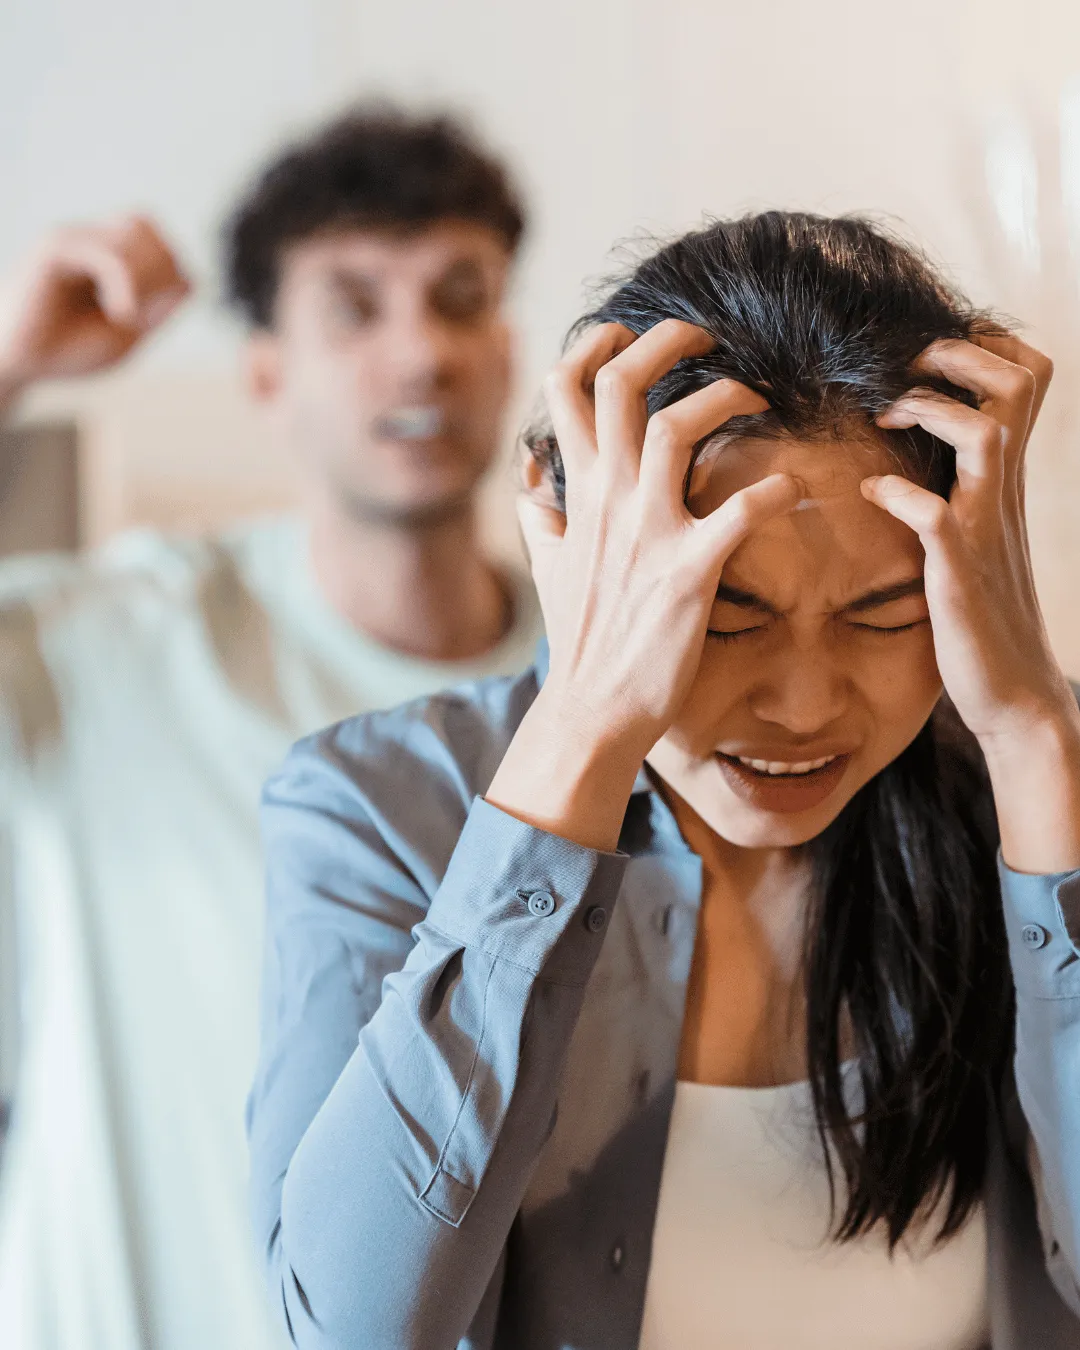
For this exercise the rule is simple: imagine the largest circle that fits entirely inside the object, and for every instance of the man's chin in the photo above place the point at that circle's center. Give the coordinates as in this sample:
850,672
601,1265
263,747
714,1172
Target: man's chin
421,512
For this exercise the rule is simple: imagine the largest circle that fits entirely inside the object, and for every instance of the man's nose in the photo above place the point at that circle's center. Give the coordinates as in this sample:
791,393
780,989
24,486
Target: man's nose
803,695
420,350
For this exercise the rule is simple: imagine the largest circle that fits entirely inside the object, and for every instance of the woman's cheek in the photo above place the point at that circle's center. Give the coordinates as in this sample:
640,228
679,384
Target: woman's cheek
903,686
715,692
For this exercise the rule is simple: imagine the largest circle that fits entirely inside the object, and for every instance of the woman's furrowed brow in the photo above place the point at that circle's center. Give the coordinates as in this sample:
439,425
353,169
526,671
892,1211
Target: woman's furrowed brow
881,595
884,595
744,599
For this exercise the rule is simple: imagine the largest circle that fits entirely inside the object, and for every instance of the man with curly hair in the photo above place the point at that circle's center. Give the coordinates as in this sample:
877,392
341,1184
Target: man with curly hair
146,691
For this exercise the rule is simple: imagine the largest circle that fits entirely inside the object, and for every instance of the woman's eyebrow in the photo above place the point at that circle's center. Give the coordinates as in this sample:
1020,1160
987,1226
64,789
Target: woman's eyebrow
885,595
882,595
744,599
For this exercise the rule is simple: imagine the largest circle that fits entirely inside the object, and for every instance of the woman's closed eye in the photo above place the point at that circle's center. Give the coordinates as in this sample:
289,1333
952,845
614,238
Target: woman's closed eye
730,634
729,621
895,616
886,629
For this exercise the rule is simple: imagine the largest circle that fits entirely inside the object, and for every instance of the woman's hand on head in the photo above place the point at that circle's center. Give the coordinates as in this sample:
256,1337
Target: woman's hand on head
990,641
626,579
992,648
628,576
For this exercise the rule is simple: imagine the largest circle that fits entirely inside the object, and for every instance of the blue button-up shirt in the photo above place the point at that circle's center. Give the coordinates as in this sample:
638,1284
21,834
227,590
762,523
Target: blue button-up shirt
470,1030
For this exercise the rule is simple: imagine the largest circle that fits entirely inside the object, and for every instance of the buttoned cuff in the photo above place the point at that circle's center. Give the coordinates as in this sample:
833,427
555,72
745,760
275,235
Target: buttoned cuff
527,897
1042,920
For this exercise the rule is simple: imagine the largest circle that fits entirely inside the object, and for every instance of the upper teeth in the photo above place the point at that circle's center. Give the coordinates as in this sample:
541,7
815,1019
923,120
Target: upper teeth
778,766
418,423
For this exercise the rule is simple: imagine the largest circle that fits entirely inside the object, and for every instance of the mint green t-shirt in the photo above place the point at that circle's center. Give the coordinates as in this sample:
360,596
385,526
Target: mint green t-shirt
146,691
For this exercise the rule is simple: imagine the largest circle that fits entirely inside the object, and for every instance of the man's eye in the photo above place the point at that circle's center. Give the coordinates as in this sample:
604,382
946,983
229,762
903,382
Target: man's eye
461,299
356,309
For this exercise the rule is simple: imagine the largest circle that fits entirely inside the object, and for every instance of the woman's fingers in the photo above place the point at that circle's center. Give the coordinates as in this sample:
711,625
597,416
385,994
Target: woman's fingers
723,530
918,508
568,389
1005,389
977,438
596,395
673,432
542,528
621,384
1010,348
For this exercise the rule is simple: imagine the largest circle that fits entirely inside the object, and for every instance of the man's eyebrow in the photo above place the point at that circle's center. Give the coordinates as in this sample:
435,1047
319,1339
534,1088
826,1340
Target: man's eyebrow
884,595
344,279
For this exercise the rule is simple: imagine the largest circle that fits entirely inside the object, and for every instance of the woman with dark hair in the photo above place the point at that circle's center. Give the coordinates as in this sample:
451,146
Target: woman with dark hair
716,982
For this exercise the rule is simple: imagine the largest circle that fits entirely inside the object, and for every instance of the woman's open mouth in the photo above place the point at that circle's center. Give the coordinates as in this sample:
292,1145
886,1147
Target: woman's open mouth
780,785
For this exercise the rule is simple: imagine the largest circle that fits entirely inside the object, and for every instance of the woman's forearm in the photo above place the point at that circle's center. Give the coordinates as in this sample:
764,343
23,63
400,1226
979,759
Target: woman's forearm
398,1198
567,773
1042,919
1035,776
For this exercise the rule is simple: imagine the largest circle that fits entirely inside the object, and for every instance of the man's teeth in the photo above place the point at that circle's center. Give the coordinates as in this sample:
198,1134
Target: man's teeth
414,424
775,766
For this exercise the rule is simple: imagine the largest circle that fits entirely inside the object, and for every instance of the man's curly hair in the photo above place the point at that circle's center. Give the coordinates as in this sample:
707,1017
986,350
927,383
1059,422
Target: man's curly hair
375,168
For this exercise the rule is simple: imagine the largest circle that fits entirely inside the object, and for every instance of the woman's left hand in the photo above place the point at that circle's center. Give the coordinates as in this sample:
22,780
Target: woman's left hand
989,637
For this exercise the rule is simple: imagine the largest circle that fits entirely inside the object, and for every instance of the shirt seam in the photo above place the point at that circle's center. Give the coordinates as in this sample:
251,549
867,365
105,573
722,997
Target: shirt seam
532,970
440,1166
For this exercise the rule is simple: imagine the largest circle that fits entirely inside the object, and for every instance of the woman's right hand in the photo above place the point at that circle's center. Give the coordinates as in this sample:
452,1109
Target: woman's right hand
626,579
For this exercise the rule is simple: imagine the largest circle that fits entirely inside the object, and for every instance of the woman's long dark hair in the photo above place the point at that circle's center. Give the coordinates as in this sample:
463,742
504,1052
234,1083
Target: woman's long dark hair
905,941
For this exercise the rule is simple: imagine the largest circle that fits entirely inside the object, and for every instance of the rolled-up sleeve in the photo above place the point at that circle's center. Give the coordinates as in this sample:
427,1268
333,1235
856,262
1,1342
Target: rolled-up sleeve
414,1029
1042,916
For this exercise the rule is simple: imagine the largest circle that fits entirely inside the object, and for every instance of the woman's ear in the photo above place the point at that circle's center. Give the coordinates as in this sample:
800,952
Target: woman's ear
537,478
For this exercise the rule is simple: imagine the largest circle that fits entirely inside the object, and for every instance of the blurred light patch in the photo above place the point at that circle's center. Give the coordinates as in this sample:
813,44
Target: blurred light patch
1012,181
1070,169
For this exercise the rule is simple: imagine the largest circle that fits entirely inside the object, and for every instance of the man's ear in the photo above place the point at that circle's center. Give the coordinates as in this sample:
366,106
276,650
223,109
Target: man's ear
261,366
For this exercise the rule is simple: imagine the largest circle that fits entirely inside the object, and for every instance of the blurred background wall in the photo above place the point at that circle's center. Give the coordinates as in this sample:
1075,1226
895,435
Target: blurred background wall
962,120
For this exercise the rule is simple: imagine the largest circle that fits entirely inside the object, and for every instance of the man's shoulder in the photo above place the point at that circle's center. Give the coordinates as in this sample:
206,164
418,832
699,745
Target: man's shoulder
129,572
436,753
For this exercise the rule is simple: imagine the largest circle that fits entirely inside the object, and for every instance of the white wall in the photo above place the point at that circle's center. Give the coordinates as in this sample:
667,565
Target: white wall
621,116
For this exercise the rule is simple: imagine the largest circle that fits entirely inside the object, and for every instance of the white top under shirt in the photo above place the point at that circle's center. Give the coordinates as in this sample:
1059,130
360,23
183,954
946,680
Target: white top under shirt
741,1258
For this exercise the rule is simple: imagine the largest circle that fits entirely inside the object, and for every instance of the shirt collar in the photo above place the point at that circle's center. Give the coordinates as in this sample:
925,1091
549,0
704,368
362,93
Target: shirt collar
541,662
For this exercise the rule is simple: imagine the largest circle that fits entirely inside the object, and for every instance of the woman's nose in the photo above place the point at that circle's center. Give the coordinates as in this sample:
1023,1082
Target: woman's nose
803,697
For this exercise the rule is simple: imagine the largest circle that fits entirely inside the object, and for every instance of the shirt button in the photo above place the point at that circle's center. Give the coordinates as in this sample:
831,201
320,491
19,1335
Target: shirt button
662,920
596,918
541,903
617,1257
1034,935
